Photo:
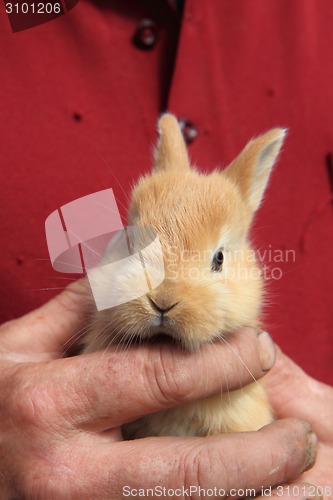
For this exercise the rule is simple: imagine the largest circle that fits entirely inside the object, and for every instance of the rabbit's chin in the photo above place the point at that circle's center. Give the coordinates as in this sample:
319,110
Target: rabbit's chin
169,336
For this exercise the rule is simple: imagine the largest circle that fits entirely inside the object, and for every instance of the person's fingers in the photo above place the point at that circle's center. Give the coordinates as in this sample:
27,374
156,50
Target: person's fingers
293,393
100,390
321,473
51,326
228,463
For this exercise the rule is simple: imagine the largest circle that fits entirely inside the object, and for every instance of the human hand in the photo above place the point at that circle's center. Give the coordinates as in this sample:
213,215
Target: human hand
60,417
293,393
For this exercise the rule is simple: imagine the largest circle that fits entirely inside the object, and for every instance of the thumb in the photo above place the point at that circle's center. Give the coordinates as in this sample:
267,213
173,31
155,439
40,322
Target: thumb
53,325
293,393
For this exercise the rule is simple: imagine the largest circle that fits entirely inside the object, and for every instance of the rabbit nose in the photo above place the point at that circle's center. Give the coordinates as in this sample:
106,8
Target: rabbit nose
161,308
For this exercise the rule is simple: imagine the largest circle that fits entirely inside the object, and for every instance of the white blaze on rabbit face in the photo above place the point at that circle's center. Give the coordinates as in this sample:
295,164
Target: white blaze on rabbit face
195,216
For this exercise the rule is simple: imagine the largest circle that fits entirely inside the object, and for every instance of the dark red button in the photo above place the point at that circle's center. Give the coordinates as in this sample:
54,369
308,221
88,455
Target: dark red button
146,35
188,129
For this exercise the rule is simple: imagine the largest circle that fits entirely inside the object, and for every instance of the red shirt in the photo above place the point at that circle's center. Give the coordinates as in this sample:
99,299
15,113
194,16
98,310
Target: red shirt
78,110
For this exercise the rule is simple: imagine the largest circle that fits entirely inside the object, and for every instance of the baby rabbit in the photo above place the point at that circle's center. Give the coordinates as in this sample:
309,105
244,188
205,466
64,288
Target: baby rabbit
212,284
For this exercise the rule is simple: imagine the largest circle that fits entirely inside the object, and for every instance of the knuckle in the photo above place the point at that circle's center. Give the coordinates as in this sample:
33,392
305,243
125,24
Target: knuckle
200,466
81,402
30,437
29,401
169,379
193,468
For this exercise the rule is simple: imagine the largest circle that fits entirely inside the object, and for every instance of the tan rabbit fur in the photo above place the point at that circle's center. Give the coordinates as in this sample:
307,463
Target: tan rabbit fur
197,215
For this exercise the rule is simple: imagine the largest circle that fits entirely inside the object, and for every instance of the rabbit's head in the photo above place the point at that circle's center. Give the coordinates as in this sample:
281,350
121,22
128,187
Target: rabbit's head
212,283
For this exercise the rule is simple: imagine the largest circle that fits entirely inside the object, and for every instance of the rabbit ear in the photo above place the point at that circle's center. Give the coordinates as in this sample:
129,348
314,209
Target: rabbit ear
252,168
171,152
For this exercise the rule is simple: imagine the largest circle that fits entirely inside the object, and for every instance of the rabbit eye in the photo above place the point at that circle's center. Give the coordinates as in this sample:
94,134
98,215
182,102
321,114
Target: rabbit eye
217,262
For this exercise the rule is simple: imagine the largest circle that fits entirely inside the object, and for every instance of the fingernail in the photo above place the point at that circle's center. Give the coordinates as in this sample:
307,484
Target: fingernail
266,351
311,450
